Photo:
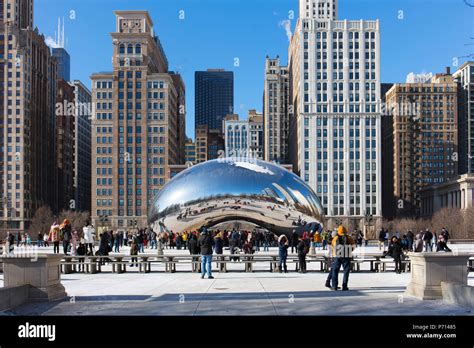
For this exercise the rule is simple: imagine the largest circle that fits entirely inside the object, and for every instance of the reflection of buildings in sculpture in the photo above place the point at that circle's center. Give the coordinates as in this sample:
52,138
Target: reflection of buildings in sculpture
226,190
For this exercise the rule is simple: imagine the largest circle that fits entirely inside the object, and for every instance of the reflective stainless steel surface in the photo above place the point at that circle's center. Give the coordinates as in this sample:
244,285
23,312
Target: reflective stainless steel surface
231,189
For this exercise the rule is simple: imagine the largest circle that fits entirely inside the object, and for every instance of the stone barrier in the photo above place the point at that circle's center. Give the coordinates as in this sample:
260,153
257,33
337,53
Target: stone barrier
42,273
458,294
430,269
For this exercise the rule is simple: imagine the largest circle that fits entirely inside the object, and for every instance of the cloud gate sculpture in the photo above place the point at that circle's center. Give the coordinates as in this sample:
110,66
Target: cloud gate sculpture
229,189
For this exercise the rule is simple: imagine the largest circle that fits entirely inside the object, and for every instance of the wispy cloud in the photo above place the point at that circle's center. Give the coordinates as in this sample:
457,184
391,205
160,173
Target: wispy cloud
51,42
286,24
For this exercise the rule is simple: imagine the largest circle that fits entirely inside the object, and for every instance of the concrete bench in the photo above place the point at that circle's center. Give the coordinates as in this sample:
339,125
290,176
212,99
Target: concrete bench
381,265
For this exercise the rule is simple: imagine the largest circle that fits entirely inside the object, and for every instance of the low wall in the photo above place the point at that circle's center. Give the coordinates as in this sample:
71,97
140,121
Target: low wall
42,274
462,295
429,270
13,296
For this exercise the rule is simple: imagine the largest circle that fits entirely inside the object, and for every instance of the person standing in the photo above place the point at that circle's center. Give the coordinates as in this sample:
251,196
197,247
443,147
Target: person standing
418,244
18,239
134,251
74,238
410,238
206,243
40,240
89,237
283,246
427,238
117,242
66,233
54,237
9,244
302,250
294,241
342,247
382,239
324,237
395,251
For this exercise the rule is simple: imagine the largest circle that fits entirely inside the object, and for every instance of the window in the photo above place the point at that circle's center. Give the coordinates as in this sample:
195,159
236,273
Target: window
138,49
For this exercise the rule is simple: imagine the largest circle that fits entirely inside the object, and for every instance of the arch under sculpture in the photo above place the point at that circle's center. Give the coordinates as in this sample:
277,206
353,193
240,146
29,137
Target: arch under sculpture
231,189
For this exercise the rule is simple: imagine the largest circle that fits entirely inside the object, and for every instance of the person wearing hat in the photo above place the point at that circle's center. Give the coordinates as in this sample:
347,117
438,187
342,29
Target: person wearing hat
342,247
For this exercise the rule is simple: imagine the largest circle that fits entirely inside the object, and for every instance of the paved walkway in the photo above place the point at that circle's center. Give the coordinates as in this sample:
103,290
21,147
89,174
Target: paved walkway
236,294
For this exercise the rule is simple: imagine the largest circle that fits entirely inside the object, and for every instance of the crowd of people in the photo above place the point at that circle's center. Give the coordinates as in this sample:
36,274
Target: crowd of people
339,243
423,241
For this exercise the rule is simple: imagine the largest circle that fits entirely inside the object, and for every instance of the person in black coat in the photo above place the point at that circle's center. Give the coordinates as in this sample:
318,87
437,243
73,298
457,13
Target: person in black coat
294,241
302,251
395,251
206,243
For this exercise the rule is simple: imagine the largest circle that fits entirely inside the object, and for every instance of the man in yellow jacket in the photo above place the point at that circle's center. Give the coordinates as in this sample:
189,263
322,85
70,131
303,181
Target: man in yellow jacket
342,247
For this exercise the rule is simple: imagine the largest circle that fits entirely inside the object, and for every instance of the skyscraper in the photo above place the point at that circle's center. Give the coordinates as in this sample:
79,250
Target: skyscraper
425,137
65,144
27,117
275,111
136,124
64,63
335,135
82,146
214,97
464,76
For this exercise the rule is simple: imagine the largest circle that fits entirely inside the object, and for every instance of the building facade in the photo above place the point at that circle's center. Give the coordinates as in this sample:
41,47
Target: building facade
275,111
335,138
214,97
82,146
65,146
389,204
425,137
456,193
136,124
244,138
209,144
464,76
190,151
256,143
27,117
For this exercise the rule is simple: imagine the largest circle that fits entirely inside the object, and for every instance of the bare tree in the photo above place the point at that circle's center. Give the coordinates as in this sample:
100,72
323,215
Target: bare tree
41,221
450,218
77,219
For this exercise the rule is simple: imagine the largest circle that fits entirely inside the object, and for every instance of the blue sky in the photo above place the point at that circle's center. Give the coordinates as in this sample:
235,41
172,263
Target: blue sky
215,32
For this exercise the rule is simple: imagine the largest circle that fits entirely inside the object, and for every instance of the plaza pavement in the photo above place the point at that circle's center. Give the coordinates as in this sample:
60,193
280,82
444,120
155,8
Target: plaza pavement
237,293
